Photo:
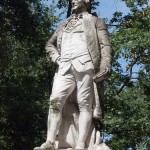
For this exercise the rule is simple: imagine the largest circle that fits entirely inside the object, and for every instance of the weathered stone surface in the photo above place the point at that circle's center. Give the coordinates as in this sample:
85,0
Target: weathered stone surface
82,50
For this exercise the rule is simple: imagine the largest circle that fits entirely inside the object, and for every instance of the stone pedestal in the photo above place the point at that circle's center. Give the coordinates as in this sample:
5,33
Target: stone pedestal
101,146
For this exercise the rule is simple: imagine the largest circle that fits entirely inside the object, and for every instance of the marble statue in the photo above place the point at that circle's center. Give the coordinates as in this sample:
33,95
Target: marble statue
81,48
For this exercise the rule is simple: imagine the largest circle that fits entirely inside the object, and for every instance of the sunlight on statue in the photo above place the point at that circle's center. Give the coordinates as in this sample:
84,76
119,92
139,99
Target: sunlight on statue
81,48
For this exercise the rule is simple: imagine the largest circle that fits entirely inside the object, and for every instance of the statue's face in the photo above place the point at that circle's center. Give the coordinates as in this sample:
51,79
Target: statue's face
78,5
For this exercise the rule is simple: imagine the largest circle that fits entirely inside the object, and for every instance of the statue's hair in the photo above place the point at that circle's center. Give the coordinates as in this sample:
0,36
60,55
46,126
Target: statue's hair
87,1
88,5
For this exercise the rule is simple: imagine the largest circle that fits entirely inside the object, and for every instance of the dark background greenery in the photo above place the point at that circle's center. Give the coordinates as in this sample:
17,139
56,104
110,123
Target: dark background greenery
26,74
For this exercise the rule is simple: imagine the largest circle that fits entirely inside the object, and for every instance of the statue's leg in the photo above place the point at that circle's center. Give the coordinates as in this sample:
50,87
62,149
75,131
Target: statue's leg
85,92
85,120
62,87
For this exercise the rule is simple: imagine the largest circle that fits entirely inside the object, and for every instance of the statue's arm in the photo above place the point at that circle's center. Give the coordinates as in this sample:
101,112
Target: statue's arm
105,52
105,45
51,48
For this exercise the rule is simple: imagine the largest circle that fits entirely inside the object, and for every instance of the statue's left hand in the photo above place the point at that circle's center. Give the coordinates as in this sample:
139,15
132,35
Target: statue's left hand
103,74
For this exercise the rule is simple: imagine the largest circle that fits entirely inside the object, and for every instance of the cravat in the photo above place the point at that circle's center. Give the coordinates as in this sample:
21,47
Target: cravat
73,22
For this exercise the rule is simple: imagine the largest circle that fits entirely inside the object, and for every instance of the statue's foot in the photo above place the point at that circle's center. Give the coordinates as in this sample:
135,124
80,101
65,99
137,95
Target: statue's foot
46,146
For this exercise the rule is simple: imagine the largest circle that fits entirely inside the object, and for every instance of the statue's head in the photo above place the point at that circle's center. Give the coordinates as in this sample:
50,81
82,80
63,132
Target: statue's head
79,5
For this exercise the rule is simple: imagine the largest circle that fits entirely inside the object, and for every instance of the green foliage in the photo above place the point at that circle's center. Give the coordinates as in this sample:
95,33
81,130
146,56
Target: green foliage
127,118
25,73
127,97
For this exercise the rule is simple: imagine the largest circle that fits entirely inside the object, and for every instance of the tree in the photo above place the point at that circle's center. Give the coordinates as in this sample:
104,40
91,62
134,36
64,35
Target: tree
25,74
127,99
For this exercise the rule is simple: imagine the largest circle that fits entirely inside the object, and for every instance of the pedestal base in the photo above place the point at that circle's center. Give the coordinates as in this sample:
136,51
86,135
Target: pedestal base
101,146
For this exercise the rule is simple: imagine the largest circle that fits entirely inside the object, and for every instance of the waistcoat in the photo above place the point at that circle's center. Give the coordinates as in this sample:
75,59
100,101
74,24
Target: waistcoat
74,49
91,40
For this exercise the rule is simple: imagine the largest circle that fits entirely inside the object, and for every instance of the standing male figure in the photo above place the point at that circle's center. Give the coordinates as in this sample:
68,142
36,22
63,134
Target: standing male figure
81,48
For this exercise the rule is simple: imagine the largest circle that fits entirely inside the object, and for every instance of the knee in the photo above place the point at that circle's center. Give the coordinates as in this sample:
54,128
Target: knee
55,105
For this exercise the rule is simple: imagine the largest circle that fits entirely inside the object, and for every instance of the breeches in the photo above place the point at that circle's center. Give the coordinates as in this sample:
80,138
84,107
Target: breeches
64,85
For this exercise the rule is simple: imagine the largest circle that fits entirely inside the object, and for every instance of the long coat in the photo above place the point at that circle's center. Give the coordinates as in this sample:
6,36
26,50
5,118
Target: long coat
97,40
100,51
